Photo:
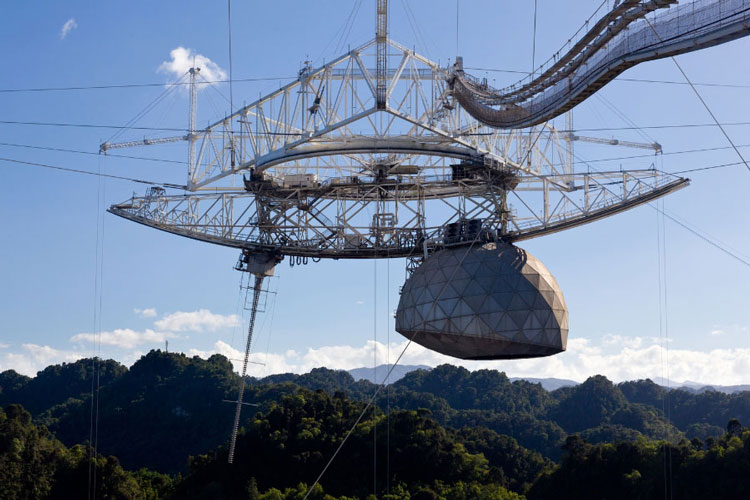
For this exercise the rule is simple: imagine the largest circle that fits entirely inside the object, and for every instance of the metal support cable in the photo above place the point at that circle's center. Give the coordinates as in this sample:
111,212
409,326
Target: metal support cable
137,85
398,359
94,153
256,295
700,98
707,239
533,43
387,376
98,174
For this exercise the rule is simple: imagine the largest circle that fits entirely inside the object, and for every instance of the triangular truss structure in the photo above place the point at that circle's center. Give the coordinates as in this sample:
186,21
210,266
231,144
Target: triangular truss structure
320,168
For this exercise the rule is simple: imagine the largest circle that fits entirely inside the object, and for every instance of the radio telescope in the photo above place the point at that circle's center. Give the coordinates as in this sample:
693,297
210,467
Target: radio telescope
383,153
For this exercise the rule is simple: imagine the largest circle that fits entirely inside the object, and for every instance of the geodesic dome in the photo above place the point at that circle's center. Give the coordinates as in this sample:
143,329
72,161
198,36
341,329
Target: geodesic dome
491,301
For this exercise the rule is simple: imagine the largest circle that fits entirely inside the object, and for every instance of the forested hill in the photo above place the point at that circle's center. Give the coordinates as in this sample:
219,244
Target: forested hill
165,411
168,406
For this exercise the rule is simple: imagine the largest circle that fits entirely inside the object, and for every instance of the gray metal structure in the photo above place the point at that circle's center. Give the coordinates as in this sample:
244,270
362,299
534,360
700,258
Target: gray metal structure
492,301
383,153
634,31
375,153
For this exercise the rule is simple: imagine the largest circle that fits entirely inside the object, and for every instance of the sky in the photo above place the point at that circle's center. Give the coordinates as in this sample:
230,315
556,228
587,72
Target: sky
71,271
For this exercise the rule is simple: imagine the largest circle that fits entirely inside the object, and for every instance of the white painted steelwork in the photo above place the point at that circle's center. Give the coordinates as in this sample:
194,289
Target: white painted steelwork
317,169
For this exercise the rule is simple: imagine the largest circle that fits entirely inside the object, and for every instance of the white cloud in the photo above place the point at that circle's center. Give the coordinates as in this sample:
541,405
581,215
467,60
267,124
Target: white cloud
623,341
33,358
717,332
145,313
196,321
69,26
4,346
123,337
183,59
582,360
360,302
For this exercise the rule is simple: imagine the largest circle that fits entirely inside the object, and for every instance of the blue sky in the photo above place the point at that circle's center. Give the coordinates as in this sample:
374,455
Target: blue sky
323,313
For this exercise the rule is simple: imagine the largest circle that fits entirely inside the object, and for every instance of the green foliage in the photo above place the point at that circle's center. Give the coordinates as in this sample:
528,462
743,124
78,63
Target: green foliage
697,415
649,469
34,465
452,434
299,433
588,405
55,384
165,408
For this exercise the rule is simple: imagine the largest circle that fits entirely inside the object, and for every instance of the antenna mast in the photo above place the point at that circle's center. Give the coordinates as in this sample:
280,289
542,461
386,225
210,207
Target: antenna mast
193,111
381,37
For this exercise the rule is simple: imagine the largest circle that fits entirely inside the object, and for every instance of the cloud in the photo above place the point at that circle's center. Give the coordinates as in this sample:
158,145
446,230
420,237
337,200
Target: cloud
717,332
4,346
183,59
145,313
196,321
360,302
582,360
623,341
123,337
69,26
33,358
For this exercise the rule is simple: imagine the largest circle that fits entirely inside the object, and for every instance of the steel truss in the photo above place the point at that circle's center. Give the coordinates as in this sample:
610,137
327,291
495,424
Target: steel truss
320,168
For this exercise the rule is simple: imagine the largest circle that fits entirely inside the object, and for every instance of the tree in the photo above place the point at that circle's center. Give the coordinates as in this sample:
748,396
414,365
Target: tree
734,427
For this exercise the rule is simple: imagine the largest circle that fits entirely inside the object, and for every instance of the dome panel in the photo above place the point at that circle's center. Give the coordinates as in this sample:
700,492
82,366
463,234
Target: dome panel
493,301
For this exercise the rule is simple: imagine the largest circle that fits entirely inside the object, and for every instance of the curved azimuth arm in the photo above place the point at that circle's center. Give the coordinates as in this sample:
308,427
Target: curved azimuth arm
333,221
621,39
323,168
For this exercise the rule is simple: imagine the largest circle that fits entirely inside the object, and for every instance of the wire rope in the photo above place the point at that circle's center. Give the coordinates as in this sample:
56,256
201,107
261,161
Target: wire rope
97,174
403,351
229,37
700,98
614,158
144,111
348,26
457,24
338,31
663,311
94,153
696,232
623,79
102,182
624,118
96,348
138,85
533,42
659,218
707,239
375,374
177,129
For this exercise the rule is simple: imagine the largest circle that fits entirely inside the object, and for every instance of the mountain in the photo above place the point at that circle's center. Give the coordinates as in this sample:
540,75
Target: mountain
407,453
549,384
697,387
168,406
377,375
365,373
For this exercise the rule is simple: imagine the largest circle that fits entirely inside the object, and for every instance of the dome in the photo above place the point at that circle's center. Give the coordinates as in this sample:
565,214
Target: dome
494,301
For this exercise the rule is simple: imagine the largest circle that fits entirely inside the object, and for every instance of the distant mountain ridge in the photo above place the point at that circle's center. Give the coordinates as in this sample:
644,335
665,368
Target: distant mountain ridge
548,383
377,375
167,406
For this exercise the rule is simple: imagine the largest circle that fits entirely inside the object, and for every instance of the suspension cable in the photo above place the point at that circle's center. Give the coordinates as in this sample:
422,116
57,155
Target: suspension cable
93,153
98,174
403,351
700,98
